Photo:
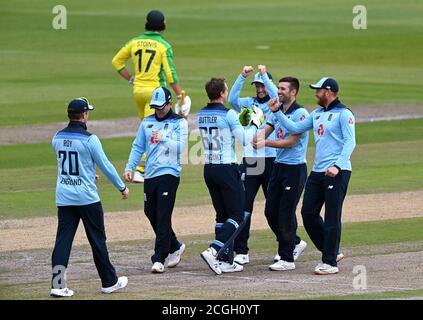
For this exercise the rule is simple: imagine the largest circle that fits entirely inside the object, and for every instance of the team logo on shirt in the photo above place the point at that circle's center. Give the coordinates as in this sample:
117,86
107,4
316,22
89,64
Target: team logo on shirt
153,140
351,121
330,117
320,130
280,134
302,117
317,118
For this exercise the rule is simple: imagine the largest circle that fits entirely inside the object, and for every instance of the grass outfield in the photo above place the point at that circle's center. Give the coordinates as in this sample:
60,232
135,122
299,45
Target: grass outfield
388,158
359,241
43,68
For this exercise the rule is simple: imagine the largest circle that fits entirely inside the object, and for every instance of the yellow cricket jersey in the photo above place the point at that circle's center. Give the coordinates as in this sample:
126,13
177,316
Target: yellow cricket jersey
152,57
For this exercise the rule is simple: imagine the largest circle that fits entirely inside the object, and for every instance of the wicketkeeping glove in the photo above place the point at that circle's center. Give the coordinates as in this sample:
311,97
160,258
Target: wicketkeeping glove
257,117
245,116
183,105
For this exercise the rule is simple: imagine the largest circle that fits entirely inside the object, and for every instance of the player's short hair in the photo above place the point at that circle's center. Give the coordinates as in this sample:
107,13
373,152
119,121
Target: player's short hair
75,116
214,87
294,83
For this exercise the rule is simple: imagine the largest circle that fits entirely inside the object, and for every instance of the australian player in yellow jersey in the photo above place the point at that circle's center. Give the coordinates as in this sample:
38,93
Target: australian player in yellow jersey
152,57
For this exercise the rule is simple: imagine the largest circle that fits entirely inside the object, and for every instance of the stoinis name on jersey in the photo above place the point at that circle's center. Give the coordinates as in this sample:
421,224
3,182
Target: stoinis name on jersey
147,44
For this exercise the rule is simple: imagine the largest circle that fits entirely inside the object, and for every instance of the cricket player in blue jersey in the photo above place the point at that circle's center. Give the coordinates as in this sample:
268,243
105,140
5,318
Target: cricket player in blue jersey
219,127
163,137
288,176
334,133
257,164
78,153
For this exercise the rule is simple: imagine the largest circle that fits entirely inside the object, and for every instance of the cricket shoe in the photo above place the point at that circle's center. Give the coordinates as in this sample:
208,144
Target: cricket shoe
242,259
209,256
157,267
227,267
324,268
138,177
120,284
282,265
276,258
61,293
299,248
340,256
175,257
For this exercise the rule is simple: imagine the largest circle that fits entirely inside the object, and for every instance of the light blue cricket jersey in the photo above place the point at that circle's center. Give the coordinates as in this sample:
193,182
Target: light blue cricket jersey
164,156
237,103
78,152
219,127
297,153
334,135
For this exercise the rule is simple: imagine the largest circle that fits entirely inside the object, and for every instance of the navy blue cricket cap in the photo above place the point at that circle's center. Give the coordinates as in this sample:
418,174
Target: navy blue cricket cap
79,105
259,79
160,97
326,83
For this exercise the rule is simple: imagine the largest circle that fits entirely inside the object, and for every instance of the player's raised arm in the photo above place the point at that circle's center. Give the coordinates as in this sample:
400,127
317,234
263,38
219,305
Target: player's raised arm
268,83
234,98
293,127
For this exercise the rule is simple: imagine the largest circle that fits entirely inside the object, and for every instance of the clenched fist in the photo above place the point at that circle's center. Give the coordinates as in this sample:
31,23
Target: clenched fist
273,104
246,71
262,69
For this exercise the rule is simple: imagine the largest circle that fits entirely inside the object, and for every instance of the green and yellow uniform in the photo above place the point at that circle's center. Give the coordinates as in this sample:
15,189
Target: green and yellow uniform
152,57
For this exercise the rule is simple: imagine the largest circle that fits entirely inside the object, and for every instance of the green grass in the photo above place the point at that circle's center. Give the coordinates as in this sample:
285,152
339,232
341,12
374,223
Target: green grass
389,131
29,171
44,68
